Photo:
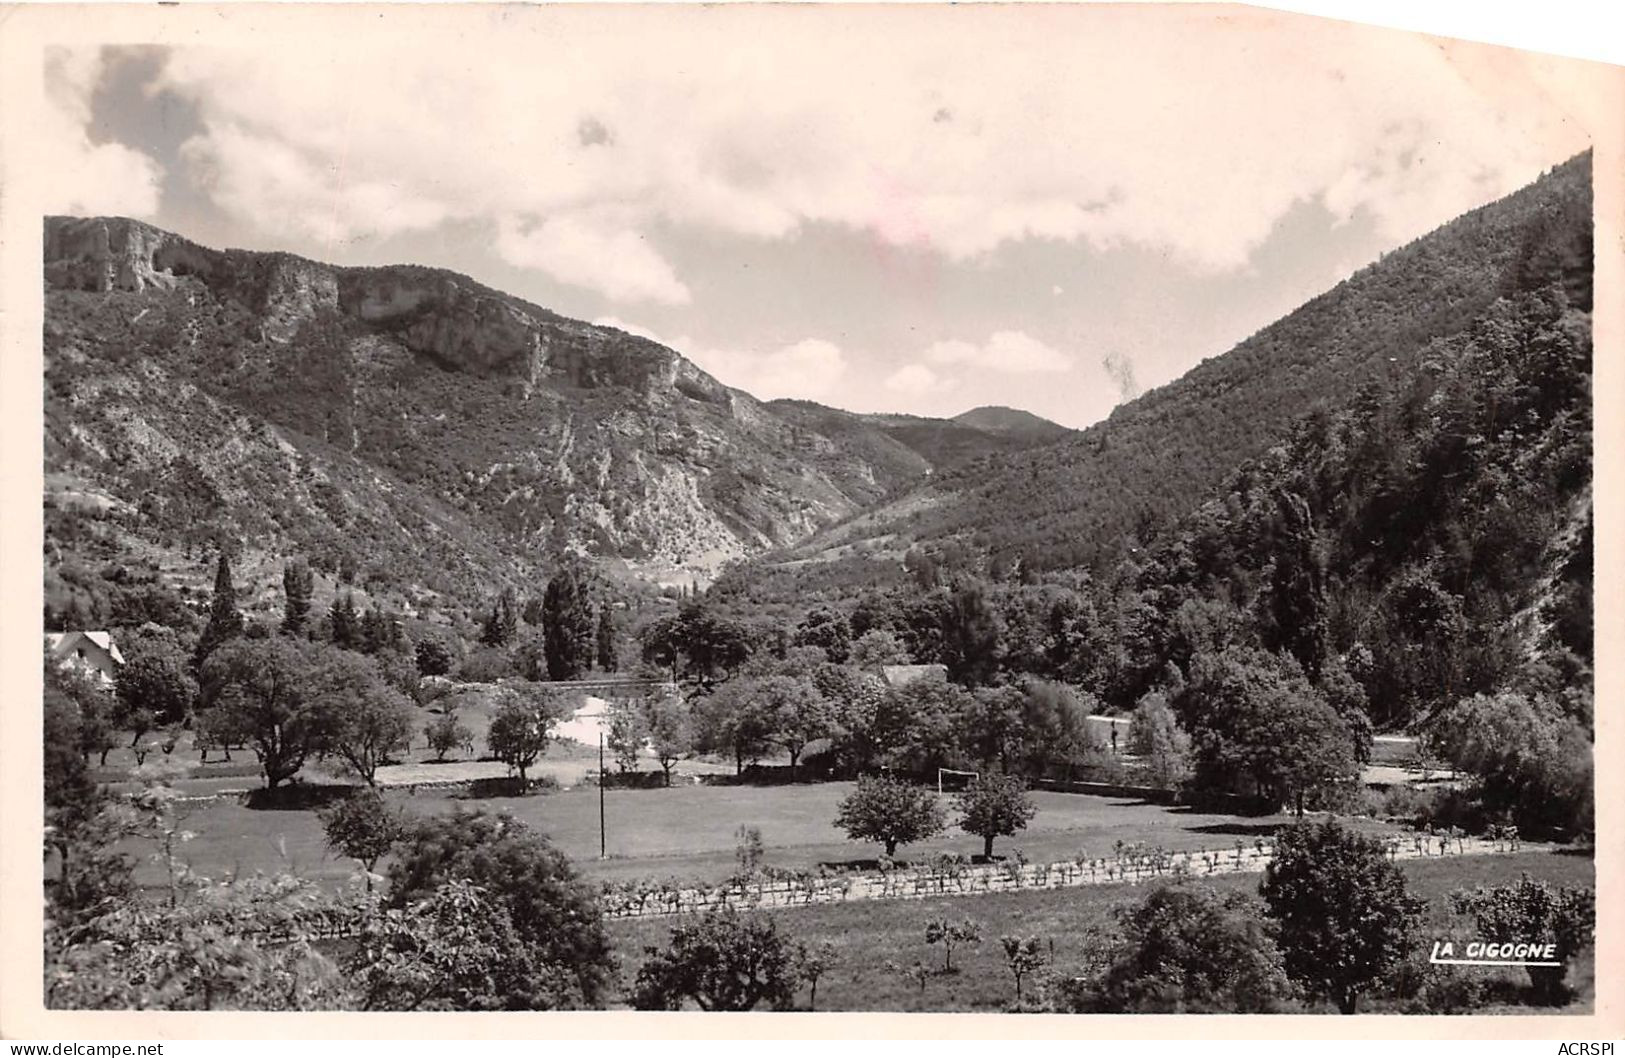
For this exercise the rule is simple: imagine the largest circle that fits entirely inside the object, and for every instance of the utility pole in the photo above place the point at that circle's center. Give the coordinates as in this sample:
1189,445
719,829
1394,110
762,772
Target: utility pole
603,852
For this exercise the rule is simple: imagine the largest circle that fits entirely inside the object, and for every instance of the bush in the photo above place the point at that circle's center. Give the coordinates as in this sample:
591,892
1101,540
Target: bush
487,665
555,915
362,827
1191,950
1333,890
1538,913
508,786
723,962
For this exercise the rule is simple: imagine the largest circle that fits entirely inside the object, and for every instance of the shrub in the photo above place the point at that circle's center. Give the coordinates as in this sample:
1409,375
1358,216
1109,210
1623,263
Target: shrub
1535,912
554,914
1333,890
1191,950
362,827
723,962
446,733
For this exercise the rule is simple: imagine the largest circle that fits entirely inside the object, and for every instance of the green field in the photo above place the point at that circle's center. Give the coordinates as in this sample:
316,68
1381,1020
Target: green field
688,832
869,934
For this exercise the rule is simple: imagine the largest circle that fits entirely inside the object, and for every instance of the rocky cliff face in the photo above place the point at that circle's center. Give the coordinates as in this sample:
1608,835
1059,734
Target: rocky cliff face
437,401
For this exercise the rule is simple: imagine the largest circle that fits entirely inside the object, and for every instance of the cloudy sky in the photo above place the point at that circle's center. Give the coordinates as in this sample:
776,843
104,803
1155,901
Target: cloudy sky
912,209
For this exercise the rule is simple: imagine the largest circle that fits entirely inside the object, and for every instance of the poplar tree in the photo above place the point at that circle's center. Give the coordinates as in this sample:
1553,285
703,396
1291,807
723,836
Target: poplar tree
225,622
297,585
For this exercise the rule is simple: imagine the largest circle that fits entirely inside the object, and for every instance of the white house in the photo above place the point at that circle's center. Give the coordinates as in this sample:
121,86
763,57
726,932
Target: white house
94,653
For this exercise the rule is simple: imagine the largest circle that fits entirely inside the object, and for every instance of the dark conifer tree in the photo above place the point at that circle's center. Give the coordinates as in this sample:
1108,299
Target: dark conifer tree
344,624
567,625
606,639
297,586
225,622
502,624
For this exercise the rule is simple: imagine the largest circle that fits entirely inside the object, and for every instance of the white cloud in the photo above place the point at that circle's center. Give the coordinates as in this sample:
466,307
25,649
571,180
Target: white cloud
630,328
917,380
1012,352
1102,126
616,262
808,369
86,178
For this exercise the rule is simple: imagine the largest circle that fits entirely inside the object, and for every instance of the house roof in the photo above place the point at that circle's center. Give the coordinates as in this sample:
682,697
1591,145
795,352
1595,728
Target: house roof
59,643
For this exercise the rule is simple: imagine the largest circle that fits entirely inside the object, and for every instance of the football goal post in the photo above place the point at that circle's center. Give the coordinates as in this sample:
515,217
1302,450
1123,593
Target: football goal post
953,771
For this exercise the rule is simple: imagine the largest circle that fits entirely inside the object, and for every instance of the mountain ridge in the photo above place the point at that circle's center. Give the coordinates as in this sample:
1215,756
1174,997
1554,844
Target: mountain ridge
1086,500
369,403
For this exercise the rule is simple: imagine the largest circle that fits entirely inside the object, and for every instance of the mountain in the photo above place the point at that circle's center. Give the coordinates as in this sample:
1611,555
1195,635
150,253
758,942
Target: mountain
1011,422
1086,500
406,427
938,444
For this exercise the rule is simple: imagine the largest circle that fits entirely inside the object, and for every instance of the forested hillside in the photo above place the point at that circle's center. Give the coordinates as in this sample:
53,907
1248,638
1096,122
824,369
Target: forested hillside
1085,501
1417,534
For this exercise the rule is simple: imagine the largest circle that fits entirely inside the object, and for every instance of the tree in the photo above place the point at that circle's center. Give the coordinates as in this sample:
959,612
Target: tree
1255,720
628,732
1191,950
364,828
153,686
225,622
1534,912
607,640
380,631
567,624
520,730
531,612
995,805
554,914
1527,760
344,623
951,934
1346,921
1154,735
455,949
972,635
793,712
260,693
891,812
94,712
723,962
362,717
918,727
1024,956
80,822
1054,725
877,647
696,645
298,583
446,733
812,964
671,731
432,657
729,720
1297,594
502,624
486,665
827,630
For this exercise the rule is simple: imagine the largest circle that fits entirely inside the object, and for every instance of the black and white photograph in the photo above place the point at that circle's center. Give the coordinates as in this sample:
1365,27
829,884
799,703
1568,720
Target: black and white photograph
1003,510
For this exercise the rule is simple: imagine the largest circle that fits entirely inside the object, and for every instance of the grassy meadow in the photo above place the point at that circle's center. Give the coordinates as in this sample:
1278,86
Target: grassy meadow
869,934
